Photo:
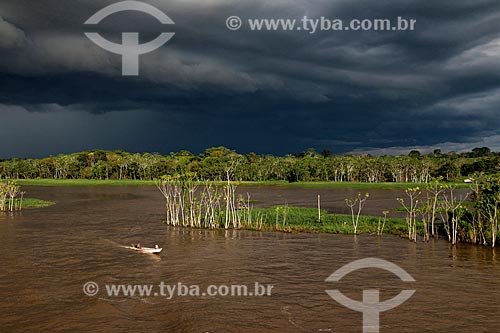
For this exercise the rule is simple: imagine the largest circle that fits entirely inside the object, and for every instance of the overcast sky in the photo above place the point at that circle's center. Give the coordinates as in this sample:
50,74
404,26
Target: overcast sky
269,92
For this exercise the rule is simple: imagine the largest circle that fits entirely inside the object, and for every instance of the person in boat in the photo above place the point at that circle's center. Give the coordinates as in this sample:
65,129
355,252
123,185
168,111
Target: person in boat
137,246
156,246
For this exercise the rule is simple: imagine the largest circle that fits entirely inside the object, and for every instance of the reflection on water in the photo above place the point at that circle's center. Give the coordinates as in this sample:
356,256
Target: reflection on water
47,255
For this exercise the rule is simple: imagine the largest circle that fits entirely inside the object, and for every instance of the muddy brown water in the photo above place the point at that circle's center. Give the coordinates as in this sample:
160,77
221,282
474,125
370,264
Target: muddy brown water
47,255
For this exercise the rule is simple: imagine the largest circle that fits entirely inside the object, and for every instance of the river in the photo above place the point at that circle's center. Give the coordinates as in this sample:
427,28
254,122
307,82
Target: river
48,255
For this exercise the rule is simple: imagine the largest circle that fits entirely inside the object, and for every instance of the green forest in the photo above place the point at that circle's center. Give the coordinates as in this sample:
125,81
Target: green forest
213,163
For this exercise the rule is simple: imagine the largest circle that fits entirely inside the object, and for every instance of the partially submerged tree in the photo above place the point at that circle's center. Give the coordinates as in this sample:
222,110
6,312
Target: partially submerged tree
359,203
202,204
411,208
11,196
486,195
434,189
452,212
381,224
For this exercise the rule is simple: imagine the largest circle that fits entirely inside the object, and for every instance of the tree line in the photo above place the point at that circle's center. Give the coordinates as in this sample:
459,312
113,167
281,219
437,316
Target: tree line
213,163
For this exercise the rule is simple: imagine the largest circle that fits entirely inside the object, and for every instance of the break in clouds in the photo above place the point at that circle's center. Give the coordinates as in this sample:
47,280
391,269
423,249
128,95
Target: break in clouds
270,92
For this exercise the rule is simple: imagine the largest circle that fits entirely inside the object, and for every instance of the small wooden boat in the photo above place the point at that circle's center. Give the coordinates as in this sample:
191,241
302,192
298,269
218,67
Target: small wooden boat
150,250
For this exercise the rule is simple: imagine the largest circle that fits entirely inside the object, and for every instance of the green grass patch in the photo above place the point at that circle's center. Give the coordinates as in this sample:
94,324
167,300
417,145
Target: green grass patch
31,203
306,220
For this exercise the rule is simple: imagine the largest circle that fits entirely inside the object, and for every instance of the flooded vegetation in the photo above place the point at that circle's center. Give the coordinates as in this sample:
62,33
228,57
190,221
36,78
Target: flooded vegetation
212,206
12,198
432,211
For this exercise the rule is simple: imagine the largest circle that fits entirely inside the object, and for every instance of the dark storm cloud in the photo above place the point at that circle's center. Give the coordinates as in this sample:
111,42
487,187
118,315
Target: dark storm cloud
272,91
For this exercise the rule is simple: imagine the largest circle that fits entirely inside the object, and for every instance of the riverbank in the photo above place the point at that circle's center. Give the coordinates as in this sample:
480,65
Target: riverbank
319,185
